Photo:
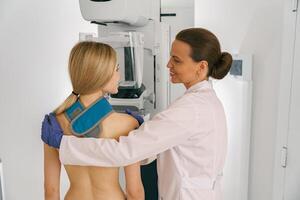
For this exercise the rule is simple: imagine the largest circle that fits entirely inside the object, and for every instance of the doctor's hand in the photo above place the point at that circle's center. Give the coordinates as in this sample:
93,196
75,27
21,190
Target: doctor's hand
51,131
138,117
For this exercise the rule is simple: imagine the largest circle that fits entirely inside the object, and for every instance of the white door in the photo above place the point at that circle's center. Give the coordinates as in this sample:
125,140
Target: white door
292,173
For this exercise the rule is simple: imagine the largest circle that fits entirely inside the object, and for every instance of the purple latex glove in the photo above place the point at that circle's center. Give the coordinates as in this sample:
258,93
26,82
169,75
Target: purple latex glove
51,131
138,117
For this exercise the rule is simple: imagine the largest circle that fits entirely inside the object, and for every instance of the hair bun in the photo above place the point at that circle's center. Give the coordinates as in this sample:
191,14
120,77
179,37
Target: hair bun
222,67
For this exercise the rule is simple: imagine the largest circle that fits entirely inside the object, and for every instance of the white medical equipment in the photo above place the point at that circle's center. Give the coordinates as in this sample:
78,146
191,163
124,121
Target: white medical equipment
142,45
131,12
235,93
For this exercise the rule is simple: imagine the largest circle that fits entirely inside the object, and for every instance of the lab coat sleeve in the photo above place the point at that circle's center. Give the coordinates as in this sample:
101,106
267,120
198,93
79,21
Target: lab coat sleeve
165,130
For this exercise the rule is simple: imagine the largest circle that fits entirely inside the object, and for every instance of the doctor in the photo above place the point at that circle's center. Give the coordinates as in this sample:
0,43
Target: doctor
189,137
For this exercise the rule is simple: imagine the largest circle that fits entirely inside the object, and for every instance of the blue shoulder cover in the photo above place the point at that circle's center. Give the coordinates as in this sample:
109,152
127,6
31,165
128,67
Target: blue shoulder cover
85,121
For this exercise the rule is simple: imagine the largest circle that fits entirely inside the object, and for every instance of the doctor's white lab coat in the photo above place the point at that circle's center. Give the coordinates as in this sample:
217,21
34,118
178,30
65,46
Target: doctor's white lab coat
189,138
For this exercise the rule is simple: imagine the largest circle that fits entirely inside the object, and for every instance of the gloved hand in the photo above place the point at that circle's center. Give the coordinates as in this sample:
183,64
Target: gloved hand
138,117
51,131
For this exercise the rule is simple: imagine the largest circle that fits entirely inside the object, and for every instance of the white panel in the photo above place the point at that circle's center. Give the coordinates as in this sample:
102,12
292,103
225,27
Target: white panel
162,73
184,19
235,93
236,98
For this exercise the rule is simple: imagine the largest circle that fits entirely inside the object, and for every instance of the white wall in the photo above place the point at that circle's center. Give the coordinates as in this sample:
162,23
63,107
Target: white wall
253,27
36,38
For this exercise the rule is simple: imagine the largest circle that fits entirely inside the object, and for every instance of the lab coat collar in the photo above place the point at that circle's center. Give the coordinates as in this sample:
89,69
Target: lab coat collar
201,85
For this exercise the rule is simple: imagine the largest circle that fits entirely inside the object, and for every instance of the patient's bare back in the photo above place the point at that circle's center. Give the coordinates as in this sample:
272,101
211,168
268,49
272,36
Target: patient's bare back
97,183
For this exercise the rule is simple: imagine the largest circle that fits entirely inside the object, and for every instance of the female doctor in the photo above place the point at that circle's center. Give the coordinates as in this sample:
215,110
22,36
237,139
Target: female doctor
189,137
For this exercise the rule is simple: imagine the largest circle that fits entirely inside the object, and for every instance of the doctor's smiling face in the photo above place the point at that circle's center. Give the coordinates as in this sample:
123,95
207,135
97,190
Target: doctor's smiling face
183,69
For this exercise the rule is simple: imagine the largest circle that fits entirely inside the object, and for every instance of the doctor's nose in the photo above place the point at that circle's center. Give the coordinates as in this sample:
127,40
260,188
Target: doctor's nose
169,65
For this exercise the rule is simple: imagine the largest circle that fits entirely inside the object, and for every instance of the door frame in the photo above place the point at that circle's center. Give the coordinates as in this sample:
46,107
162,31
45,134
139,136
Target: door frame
285,84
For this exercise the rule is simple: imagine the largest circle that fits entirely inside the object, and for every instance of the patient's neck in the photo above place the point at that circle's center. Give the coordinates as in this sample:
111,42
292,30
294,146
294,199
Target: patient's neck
88,99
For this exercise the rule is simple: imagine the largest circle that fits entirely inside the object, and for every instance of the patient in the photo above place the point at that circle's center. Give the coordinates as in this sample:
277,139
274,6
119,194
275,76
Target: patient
93,72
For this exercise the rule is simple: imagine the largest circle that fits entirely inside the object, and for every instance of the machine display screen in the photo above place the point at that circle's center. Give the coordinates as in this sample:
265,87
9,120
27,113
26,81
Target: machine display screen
236,68
129,63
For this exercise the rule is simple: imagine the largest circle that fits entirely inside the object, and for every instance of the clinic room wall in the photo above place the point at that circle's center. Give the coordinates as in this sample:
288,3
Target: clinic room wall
36,38
253,27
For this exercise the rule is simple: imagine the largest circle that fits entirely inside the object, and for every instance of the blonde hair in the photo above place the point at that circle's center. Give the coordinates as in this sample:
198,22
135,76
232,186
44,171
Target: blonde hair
91,66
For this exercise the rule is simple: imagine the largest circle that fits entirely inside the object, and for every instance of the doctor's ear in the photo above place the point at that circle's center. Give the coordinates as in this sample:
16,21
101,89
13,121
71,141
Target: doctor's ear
203,67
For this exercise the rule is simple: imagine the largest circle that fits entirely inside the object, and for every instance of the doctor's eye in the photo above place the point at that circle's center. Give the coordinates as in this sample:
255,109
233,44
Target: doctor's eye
176,61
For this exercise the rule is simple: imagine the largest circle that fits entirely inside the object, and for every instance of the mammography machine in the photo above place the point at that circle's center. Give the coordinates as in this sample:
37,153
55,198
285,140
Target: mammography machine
142,45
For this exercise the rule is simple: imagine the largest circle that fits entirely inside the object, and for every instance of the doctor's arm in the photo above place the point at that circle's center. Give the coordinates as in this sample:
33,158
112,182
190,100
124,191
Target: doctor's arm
166,130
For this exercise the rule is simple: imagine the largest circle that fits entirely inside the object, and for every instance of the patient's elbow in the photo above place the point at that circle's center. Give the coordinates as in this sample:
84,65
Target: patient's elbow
51,192
136,194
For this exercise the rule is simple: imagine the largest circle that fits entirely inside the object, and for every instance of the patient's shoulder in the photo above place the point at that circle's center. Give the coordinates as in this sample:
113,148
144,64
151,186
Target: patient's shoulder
118,124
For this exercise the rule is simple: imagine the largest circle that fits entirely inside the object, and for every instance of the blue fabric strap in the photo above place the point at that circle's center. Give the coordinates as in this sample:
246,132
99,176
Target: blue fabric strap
74,110
85,121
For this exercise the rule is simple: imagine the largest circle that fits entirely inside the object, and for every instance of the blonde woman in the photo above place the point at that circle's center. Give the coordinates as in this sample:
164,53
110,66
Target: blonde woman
93,72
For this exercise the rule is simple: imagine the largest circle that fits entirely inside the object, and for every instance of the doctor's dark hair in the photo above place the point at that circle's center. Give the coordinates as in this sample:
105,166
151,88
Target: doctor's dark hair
91,66
205,46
